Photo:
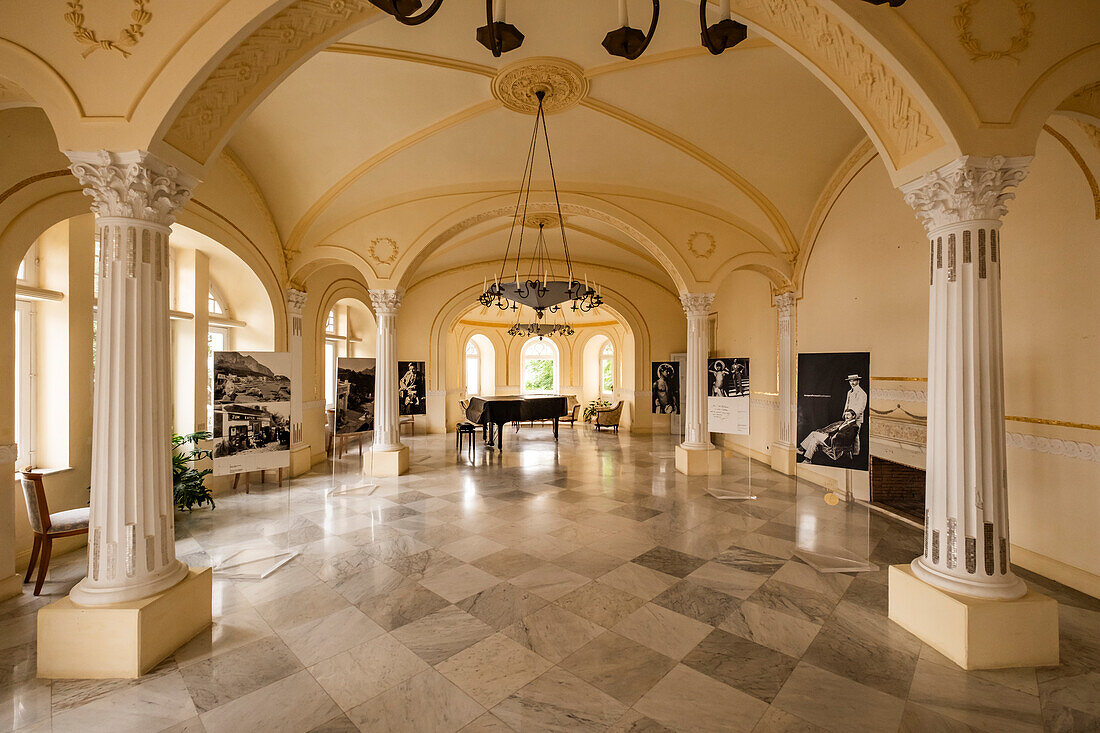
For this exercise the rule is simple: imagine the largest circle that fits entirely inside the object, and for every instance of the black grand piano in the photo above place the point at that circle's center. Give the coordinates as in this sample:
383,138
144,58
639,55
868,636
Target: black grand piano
491,412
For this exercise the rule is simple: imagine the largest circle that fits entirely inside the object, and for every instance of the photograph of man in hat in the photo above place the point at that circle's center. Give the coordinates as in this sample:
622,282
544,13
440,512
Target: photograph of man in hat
856,401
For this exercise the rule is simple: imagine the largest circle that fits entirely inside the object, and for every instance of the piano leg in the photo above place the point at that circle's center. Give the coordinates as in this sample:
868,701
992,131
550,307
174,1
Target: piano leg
555,428
500,436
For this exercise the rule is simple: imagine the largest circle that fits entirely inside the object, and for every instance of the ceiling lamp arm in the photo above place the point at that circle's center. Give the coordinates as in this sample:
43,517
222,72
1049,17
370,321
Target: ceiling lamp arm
726,33
630,43
494,30
416,19
554,179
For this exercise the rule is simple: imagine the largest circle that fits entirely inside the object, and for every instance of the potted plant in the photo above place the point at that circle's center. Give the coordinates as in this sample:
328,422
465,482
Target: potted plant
188,489
591,407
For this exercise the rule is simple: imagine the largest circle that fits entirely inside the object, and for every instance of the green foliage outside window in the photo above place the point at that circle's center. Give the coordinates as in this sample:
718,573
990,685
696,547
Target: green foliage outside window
539,376
608,378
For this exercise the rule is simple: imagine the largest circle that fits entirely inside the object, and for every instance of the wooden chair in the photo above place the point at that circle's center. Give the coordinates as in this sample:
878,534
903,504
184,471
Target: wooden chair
608,417
47,527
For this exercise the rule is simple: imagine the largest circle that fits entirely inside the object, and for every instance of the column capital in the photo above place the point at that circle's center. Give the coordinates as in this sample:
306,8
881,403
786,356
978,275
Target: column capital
966,189
386,302
696,304
785,303
132,184
296,301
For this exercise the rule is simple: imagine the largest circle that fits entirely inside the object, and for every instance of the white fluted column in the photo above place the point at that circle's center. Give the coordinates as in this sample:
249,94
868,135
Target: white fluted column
966,519
300,451
697,455
784,450
131,542
387,440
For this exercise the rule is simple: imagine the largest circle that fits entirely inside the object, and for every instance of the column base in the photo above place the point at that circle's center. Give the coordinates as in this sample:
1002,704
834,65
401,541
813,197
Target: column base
391,462
122,640
301,459
699,461
976,633
11,586
784,458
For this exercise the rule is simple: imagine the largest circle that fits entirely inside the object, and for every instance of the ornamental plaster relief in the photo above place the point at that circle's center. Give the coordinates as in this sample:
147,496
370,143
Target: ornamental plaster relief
128,37
702,244
1016,45
382,250
966,189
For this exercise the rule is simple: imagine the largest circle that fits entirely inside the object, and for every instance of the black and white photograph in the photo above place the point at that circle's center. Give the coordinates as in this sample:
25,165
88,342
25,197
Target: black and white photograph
251,398
834,426
411,388
727,377
251,376
666,388
728,395
354,395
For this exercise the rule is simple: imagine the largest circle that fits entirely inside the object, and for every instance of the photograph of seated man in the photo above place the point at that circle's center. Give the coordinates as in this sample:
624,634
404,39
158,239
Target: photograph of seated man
833,419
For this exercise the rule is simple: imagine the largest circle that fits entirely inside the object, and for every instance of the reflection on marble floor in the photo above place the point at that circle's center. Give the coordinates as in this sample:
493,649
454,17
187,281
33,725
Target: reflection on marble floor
583,586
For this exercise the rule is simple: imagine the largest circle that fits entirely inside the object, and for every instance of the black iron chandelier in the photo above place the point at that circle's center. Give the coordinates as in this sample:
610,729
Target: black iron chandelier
539,289
500,36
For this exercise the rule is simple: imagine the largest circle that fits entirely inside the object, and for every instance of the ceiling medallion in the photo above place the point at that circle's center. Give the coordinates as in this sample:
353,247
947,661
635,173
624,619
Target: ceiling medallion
383,250
541,221
702,244
562,82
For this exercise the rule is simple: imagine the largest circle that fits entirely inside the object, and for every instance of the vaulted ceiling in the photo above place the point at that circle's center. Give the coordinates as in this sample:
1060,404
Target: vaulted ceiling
394,133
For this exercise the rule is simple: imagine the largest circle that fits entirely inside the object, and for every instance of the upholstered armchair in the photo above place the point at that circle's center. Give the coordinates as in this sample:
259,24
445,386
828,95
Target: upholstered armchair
572,410
608,417
47,527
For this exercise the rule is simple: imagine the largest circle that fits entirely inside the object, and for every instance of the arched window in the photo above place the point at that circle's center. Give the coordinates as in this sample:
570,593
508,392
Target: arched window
607,370
473,368
539,362
213,305
330,322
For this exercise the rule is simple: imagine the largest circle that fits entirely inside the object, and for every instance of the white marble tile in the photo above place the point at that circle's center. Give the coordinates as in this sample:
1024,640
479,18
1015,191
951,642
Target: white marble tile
324,637
355,676
459,583
689,700
662,630
425,702
158,703
493,669
294,703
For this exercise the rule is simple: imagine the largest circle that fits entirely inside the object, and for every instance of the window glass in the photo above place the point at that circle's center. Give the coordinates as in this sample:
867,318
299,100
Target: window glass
540,362
607,369
473,369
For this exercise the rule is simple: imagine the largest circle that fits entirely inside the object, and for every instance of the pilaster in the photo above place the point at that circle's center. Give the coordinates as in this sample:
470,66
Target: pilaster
300,451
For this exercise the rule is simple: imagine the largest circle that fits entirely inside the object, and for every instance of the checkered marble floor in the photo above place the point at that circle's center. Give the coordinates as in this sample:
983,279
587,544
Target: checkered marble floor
577,586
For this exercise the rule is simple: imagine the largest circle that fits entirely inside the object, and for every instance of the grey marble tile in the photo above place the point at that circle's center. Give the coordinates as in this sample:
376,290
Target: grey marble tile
493,669
25,704
741,664
487,723
294,703
688,700
698,602
618,666
955,694
406,602
459,583
549,581
867,648
801,603
421,564
324,637
427,701
774,629
779,721
662,630
153,704
669,561
635,722
589,562
226,677
442,634
502,605
837,703
638,580
553,632
355,676
507,563
601,603
308,604
751,561
339,724
559,701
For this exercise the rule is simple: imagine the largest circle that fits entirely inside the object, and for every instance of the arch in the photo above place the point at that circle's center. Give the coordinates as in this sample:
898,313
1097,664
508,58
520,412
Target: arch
894,110
624,221
538,349
29,71
486,364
